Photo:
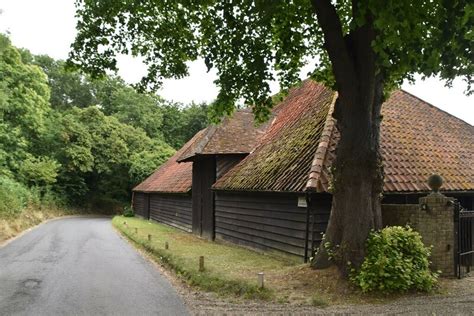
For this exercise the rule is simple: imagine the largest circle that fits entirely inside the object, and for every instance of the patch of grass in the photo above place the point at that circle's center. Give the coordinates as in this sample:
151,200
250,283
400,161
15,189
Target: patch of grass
11,226
229,270
319,302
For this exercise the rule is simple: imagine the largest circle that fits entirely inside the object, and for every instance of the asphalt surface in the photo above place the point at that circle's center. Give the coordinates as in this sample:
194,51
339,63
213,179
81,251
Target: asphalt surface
81,266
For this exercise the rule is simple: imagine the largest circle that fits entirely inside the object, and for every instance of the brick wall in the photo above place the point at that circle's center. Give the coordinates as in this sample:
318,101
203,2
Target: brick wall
433,218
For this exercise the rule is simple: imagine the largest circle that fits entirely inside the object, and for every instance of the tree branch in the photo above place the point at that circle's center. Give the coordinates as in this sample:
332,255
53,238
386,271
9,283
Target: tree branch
339,54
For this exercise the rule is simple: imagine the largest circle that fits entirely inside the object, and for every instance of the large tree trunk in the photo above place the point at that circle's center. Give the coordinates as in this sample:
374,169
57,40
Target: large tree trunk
357,170
358,181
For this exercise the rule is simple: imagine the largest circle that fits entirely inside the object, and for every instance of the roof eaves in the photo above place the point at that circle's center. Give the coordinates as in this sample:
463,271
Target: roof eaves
321,152
187,156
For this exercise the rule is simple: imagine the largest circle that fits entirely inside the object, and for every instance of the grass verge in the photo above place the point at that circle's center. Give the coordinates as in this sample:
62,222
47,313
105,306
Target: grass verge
229,270
232,271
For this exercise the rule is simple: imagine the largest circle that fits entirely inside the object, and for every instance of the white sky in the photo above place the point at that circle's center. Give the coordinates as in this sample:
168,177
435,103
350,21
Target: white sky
48,27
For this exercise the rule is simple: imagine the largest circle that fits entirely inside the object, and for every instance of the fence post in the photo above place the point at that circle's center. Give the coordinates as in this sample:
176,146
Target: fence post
201,263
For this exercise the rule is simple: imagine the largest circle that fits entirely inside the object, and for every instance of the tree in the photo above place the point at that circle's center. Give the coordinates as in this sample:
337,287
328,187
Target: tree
24,106
180,123
363,48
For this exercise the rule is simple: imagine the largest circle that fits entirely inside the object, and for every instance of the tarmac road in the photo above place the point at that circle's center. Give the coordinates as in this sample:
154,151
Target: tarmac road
81,266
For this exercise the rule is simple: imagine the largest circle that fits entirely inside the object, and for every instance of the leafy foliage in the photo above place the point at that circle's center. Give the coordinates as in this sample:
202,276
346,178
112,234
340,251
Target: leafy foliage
63,134
14,197
246,39
396,261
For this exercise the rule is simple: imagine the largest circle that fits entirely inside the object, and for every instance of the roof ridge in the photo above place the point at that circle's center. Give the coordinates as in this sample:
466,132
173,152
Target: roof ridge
321,152
434,106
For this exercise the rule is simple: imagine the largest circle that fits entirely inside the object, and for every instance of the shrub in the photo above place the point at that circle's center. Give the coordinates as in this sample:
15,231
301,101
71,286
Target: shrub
396,261
128,211
14,197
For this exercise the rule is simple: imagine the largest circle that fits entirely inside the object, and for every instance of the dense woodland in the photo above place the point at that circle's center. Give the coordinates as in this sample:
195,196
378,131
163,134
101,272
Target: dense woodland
66,139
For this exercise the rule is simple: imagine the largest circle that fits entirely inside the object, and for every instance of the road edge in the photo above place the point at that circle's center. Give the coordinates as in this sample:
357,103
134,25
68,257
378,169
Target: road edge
30,229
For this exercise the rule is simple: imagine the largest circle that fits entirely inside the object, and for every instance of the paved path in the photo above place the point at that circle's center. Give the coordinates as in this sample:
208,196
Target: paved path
80,266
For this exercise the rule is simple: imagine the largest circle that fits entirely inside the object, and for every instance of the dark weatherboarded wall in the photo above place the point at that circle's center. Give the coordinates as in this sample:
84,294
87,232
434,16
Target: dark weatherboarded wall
140,204
172,209
204,176
268,221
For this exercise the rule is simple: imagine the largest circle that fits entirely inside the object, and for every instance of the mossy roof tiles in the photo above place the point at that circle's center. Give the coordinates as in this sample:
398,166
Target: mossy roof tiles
294,151
282,159
417,140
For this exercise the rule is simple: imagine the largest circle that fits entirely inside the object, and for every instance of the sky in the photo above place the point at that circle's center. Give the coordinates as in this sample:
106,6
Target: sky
48,27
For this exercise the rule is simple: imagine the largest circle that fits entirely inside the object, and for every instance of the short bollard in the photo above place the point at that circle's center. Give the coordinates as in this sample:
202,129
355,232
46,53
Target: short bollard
136,230
166,245
201,263
260,280
149,237
125,223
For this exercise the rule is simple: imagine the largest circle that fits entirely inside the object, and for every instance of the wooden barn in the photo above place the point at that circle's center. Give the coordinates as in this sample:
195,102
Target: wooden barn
179,192
261,201
165,196
213,153
271,184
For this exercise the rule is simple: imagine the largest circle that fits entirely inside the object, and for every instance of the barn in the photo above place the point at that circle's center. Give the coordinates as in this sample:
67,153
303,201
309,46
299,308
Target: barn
165,196
278,197
179,192
269,187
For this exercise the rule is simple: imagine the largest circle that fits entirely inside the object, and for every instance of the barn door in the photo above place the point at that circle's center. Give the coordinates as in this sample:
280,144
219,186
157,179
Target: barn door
204,176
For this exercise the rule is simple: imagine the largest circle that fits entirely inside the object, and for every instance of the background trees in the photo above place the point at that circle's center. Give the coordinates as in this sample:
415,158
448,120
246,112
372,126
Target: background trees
86,141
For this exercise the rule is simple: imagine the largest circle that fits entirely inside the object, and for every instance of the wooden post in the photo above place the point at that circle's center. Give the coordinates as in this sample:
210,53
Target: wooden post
136,230
125,223
201,263
166,245
149,237
260,280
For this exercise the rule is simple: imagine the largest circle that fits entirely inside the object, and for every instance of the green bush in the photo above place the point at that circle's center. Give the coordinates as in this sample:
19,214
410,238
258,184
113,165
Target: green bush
14,197
396,261
128,211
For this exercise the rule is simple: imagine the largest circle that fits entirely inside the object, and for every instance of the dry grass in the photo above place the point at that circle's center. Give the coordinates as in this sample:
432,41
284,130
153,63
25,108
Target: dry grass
12,226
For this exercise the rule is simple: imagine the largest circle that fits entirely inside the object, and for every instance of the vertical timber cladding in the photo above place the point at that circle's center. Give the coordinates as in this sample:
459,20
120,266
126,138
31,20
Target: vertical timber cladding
140,203
268,221
204,176
172,209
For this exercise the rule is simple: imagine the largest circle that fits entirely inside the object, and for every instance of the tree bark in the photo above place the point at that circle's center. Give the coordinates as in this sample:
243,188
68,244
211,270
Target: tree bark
357,170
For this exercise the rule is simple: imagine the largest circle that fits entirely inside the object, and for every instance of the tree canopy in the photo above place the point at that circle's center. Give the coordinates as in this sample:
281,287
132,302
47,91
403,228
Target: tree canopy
245,40
84,140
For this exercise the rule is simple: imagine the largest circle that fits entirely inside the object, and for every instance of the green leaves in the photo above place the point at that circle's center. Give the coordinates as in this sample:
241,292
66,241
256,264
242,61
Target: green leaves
253,42
396,261
98,139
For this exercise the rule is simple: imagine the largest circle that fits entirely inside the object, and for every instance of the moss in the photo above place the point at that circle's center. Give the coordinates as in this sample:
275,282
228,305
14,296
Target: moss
287,154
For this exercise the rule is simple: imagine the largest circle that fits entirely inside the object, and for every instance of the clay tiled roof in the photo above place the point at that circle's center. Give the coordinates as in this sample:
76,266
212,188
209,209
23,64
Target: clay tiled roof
417,140
171,177
282,160
236,134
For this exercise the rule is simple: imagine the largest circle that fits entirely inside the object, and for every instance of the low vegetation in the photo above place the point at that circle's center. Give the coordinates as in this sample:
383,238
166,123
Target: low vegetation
22,207
232,271
396,261
219,275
